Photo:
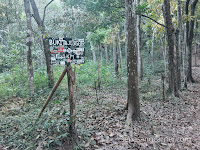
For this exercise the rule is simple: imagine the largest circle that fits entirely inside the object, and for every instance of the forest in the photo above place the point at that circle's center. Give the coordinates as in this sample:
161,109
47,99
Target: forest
99,75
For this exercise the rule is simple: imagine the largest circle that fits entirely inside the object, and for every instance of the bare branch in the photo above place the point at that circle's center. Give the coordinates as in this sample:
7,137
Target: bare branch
153,20
45,10
36,14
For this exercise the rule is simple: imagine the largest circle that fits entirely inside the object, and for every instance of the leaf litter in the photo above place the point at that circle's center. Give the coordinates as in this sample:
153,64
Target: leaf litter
170,124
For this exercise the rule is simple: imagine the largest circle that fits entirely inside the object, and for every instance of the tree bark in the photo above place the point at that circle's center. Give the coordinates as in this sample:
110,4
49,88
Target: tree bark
180,34
48,64
106,52
133,92
196,38
93,51
29,44
125,49
184,57
179,43
139,46
164,55
40,24
170,40
100,52
152,52
115,56
125,31
120,55
190,35
178,63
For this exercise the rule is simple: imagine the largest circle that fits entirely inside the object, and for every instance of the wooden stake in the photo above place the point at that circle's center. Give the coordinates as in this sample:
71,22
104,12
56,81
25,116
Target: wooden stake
72,103
52,92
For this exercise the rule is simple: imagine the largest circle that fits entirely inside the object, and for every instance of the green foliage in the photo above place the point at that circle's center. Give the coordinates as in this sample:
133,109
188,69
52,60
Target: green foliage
98,35
19,132
142,9
40,79
113,10
88,73
73,2
95,17
13,83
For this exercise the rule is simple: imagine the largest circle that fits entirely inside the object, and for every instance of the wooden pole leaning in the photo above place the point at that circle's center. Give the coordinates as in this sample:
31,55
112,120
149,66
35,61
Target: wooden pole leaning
52,92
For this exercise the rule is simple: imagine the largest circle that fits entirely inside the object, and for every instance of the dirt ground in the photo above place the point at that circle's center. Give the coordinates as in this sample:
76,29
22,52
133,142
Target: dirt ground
172,124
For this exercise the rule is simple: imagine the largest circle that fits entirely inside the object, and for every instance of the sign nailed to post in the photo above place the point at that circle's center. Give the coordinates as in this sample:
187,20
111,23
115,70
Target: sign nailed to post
66,50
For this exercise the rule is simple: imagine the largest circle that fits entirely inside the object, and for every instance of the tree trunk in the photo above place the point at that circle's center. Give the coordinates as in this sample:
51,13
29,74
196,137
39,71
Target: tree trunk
190,36
120,54
195,55
40,24
178,63
152,53
139,46
99,67
196,37
100,52
29,43
49,66
93,51
180,34
99,76
184,57
94,55
164,55
73,22
106,52
125,46
170,40
115,56
179,43
133,92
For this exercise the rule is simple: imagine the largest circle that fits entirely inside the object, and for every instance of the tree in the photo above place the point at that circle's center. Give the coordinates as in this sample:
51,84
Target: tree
133,92
170,41
96,40
29,43
179,43
40,23
139,46
115,55
189,36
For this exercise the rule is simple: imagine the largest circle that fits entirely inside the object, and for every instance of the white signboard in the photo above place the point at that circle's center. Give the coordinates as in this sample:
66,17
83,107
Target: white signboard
66,50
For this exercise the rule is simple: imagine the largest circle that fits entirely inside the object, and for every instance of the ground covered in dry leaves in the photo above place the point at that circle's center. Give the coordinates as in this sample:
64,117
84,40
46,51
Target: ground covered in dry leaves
170,124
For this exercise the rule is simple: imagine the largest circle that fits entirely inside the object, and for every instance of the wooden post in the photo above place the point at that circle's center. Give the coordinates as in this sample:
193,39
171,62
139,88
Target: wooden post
52,92
72,103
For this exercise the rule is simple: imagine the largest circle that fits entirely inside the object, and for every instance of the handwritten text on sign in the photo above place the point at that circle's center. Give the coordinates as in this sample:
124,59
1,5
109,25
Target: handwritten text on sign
65,50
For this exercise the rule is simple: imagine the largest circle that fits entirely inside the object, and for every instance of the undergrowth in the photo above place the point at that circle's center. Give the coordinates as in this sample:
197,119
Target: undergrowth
19,109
